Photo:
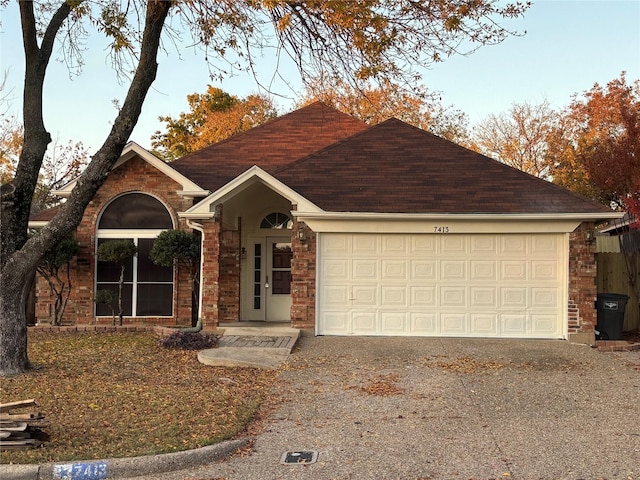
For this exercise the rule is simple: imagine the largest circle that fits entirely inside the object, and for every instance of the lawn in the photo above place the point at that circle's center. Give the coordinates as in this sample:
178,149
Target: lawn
109,395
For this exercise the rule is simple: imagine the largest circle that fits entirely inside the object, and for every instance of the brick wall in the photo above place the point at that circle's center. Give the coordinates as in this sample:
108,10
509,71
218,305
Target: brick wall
582,286
229,289
209,282
136,175
303,274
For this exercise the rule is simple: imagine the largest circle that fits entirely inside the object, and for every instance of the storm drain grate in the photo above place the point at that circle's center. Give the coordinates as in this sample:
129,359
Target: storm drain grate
299,458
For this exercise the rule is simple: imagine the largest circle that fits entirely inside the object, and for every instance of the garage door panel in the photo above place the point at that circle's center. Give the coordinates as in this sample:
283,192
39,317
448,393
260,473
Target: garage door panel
364,269
543,325
485,245
393,296
453,296
366,295
453,324
423,270
423,323
513,245
481,285
544,270
423,296
336,269
544,297
514,270
513,297
394,270
453,244
453,270
484,325
364,322
484,297
336,295
423,246
394,323
483,270
365,245
514,325
335,322
395,245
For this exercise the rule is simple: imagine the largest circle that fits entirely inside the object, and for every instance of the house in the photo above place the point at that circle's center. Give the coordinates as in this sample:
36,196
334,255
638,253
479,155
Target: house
320,220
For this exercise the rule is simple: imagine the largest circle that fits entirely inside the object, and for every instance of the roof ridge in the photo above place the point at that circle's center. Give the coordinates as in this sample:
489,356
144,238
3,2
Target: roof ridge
280,118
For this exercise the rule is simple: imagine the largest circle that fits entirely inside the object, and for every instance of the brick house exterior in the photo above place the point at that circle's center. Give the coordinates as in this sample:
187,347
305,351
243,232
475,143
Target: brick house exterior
269,202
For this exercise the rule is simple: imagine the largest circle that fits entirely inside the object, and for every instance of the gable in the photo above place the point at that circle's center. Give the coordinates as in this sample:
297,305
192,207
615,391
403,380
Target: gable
132,151
396,168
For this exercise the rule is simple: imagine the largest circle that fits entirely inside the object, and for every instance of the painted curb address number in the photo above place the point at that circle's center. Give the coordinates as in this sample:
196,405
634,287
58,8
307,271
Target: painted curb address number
81,471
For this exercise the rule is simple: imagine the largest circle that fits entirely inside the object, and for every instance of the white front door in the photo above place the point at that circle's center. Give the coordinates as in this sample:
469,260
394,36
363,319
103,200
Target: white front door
271,286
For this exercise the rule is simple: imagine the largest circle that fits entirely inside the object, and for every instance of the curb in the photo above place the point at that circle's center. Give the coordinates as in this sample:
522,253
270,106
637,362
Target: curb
124,467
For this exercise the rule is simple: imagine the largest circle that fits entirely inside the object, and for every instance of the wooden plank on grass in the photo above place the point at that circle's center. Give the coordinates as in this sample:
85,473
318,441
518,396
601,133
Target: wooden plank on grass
5,407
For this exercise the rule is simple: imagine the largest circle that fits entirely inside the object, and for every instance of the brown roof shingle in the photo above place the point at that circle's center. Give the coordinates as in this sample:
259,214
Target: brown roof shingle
396,168
271,145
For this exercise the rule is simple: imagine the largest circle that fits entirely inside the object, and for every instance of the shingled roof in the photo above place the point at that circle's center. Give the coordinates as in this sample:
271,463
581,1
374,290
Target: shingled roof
396,168
271,145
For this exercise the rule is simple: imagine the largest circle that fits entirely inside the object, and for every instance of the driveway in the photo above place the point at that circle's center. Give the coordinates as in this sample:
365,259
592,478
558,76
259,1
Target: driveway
401,408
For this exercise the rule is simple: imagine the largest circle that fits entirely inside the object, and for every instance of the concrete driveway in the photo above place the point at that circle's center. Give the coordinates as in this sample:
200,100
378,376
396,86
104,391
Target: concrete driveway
400,408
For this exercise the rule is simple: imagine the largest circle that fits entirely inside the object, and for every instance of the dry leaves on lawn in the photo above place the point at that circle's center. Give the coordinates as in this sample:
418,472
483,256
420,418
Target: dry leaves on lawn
121,394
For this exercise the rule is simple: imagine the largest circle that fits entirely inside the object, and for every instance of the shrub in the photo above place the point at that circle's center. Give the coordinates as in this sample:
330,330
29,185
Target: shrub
189,341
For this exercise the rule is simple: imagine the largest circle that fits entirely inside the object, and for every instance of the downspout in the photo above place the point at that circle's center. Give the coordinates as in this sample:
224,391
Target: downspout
198,326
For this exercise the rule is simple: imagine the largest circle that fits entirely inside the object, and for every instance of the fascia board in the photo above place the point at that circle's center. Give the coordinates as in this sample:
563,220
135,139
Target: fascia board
442,223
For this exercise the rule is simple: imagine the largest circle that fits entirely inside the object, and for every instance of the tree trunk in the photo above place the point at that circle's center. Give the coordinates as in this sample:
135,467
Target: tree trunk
13,333
120,284
19,257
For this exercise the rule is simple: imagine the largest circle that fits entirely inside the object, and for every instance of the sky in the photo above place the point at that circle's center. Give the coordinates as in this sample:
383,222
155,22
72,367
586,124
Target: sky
568,46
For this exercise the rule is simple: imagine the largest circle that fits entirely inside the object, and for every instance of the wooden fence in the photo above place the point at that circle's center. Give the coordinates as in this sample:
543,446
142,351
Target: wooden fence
613,278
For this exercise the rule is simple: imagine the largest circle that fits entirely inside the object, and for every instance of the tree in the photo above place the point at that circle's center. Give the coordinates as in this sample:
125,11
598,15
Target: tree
520,137
361,40
597,145
118,252
178,246
61,163
50,268
375,103
213,116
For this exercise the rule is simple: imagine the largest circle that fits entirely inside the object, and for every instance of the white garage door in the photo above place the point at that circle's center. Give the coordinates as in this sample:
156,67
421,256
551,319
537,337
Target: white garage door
480,285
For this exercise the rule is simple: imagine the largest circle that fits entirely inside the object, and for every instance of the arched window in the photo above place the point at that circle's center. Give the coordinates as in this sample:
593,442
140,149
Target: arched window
148,288
277,220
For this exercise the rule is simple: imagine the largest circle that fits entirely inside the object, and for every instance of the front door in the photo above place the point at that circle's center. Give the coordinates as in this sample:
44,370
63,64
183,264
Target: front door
271,282
278,279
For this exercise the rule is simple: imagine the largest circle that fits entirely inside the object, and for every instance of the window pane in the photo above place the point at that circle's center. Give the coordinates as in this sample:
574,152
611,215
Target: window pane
110,272
282,255
127,298
155,300
147,270
282,283
135,210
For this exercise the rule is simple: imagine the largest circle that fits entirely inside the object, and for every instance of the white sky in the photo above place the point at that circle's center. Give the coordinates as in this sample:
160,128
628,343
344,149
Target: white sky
569,46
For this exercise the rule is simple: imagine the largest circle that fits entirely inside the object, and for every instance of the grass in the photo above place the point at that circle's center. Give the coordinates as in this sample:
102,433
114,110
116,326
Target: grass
109,395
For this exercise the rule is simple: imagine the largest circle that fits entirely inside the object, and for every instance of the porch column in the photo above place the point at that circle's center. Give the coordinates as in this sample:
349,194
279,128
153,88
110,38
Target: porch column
303,276
210,273
582,311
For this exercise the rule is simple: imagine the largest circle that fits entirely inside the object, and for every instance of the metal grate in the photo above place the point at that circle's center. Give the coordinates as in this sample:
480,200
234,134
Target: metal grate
299,458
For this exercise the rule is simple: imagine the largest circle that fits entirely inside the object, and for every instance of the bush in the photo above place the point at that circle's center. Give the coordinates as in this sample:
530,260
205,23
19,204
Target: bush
189,341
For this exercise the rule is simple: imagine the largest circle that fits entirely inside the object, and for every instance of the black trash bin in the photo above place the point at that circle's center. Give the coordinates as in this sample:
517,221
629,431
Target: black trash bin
610,307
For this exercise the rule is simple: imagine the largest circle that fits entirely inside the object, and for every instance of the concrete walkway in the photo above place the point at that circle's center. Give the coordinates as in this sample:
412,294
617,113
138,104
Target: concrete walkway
257,345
